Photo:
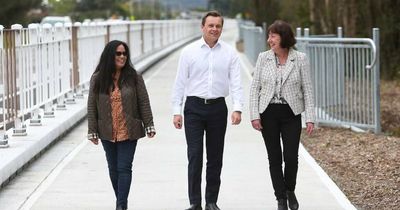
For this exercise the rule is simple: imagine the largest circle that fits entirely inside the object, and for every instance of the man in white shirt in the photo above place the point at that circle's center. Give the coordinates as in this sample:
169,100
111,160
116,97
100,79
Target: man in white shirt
208,71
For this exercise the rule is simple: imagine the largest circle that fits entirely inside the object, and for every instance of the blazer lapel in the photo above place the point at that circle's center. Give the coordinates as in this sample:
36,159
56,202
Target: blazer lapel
271,65
289,64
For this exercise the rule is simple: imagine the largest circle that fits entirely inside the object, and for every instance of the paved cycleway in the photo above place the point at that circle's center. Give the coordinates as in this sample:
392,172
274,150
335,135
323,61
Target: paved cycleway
73,174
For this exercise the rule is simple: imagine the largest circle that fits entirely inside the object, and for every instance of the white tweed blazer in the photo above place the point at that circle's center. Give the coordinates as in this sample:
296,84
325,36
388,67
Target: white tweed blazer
296,86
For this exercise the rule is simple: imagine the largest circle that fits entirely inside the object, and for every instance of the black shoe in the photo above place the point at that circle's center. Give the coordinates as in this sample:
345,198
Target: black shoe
212,206
195,207
120,208
293,204
282,204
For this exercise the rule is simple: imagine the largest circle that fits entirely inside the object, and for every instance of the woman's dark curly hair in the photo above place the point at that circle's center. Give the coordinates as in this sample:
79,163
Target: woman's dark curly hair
106,68
285,32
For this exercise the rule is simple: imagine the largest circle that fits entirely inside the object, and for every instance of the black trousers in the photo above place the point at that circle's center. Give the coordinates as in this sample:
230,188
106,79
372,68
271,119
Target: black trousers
279,121
210,119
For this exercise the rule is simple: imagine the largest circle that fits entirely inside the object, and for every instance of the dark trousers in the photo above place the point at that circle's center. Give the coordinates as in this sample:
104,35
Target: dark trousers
278,121
119,157
210,119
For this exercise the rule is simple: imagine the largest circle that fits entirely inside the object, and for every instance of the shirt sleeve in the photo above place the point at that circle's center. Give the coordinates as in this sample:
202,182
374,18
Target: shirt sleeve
235,84
178,90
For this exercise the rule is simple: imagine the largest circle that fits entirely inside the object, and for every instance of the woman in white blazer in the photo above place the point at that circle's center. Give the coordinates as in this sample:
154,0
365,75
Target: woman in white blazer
280,91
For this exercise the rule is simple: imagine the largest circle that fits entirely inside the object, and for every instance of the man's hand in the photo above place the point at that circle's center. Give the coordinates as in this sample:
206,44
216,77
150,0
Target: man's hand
310,127
178,121
257,124
236,117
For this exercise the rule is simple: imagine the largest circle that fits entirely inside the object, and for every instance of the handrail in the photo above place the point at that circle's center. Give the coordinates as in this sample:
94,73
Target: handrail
259,28
347,40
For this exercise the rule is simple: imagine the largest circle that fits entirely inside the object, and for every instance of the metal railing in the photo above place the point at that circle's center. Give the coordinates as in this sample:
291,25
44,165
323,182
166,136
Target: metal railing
254,40
43,64
345,74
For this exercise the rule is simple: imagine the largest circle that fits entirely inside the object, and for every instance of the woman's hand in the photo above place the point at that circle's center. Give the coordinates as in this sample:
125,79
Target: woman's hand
310,128
95,141
151,134
257,124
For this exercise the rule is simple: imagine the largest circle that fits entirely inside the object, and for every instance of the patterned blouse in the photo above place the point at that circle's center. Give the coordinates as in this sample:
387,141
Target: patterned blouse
278,98
119,128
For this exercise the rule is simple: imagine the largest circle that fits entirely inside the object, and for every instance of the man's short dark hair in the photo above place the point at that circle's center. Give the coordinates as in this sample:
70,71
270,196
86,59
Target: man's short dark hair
213,13
285,31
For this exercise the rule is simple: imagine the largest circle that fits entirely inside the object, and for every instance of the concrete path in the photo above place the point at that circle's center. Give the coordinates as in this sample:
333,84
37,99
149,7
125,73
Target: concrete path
79,180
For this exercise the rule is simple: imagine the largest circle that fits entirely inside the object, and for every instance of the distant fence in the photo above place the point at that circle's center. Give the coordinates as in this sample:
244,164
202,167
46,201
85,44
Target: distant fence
254,39
41,64
345,75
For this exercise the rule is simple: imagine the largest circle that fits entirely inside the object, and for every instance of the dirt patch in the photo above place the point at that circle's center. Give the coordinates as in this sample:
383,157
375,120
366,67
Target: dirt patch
365,166
390,107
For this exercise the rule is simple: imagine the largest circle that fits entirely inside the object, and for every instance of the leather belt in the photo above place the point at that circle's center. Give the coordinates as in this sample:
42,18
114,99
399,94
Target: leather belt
206,101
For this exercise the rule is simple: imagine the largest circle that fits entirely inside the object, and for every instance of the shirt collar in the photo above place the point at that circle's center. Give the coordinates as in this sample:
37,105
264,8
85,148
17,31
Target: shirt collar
204,43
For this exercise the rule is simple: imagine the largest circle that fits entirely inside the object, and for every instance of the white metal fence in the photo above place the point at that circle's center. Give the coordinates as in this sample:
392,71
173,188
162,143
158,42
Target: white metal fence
345,74
41,64
254,39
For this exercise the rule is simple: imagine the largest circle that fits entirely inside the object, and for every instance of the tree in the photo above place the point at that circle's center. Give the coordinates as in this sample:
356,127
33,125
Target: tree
102,9
15,11
254,10
358,17
61,8
295,12
387,19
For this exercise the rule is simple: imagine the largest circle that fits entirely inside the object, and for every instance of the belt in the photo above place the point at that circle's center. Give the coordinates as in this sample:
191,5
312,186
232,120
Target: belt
206,101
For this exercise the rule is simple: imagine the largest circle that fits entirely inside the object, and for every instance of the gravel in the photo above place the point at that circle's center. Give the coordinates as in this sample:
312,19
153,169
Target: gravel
365,166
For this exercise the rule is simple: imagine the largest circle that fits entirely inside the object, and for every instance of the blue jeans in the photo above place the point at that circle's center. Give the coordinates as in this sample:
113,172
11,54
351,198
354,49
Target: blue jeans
119,157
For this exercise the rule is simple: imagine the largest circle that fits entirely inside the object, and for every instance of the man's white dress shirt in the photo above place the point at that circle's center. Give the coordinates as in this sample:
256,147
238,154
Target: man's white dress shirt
208,73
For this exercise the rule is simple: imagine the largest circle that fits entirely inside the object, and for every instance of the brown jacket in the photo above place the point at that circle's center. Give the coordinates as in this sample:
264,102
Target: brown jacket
135,105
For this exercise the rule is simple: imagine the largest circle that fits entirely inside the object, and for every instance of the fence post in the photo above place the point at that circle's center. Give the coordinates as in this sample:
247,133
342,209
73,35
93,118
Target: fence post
10,96
264,37
161,25
46,36
240,22
19,124
75,56
108,34
3,135
142,37
339,32
306,32
341,64
128,34
33,32
375,37
298,32
153,40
